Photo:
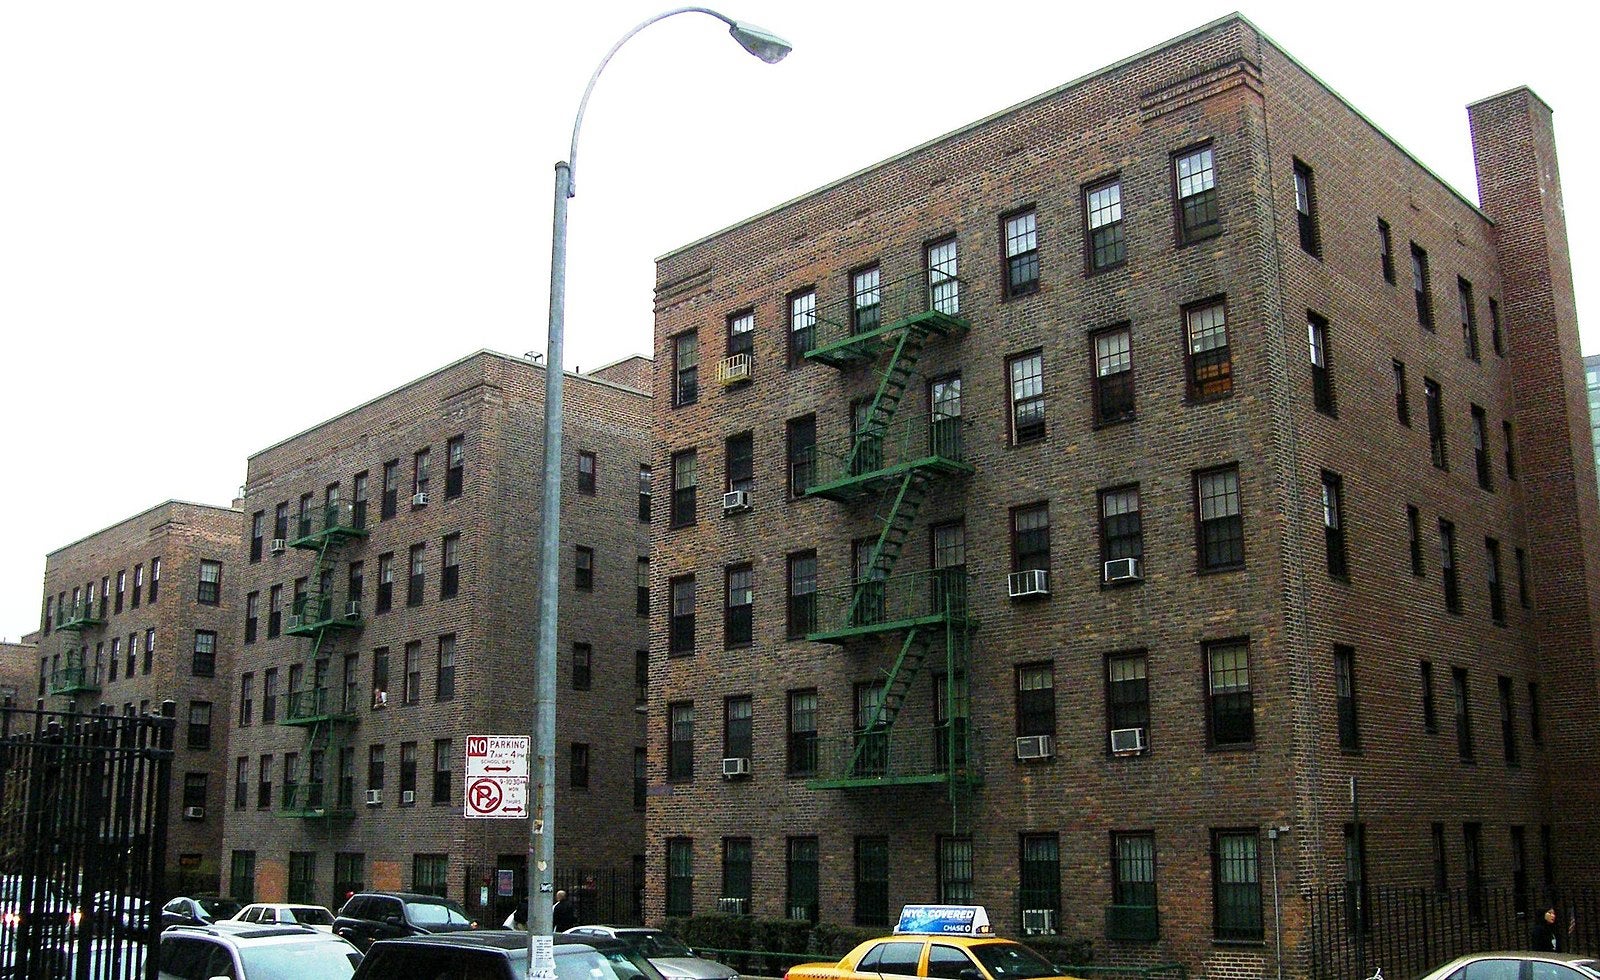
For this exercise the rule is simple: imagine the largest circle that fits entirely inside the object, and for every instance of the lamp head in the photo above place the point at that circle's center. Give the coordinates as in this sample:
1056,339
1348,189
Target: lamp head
764,44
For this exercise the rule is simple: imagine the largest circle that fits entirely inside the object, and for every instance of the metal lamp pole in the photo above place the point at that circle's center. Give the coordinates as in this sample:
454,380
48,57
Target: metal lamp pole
541,840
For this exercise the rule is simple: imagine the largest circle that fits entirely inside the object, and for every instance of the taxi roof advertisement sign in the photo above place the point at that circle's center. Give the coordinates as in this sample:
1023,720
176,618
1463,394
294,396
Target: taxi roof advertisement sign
945,920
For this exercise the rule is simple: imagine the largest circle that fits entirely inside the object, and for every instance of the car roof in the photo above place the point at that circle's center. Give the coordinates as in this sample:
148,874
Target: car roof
408,897
283,905
250,931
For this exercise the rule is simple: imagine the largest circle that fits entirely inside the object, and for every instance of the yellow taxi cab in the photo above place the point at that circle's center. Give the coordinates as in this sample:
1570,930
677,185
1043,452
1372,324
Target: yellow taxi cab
940,942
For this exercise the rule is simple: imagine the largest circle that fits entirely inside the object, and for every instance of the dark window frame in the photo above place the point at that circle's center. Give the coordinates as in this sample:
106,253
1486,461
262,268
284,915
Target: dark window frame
1305,205
1021,271
1105,245
1114,394
1210,208
1230,712
1219,381
1217,531
685,377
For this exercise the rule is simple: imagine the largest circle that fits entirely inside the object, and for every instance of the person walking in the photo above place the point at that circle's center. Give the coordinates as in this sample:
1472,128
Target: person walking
1545,937
564,914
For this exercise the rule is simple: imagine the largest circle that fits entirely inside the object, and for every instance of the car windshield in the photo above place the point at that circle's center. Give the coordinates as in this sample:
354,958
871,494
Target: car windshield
219,908
298,960
613,964
1013,961
656,943
629,962
310,915
431,915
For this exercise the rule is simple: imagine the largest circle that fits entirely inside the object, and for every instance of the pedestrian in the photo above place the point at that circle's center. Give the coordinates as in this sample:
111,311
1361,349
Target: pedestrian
517,918
564,914
1546,937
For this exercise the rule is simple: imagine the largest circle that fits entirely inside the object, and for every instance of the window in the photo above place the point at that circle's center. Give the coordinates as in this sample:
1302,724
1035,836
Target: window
1236,885
419,471
1430,716
866,300
1511,459
414,586
375,767
685,369
1480,448
1305,208
348,876
449,573
408,771
1419,285
583,568
258,527
736,728
411,692
802,599
247,698
455,452
445,676
1535,729
155,580
641,587
680,740
269,696
1121,525
122,584
1230,711
681,638
944,288
1402,400
241,782
739,453
586,467
1321,376
1197,195
1220,525
1021,235
1030,537
1344,689
641,768
205,654
872,881
1026,372
252,613
1508,722
1102,209
1496,336
1414,534
800,435
1447,566
582,666
1524,596
1497,598
1210,359
955,870
578,767
199,726
264,784
358,500
1434,396
1333,524
1133,886
430,874
802,733
802,325
441,770
391,489
1039,861
737,628
644,493
641,676
138,583
1127,693
385,582
1469,318
684,481
1463,709
680,876
1386,251
741,334
1036,700
1113,375
1355,878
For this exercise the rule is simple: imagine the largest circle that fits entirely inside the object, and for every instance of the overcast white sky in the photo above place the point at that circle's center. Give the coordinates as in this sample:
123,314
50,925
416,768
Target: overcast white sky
223,222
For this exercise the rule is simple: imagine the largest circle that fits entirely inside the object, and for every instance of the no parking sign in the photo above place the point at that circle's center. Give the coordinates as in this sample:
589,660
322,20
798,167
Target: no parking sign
497,777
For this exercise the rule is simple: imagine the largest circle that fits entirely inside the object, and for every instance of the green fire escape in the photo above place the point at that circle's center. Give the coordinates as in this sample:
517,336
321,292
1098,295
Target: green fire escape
894,463
77,675
327,714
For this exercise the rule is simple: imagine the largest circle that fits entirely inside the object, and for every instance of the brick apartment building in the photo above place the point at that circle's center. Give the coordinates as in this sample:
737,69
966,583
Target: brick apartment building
17,663
389,606
1591,378
1080,500
140,613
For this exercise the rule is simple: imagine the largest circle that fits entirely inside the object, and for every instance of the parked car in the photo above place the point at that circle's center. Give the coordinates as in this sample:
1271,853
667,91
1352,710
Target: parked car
245,951
675,960
273,913
201,910
116,914
370,916
18,898
1518,965
501,954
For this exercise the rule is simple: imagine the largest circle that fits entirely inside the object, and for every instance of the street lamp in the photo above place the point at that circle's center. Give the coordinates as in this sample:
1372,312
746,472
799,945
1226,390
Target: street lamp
541,841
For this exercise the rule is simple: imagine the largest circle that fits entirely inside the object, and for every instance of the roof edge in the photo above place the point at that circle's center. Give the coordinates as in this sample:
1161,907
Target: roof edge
134,517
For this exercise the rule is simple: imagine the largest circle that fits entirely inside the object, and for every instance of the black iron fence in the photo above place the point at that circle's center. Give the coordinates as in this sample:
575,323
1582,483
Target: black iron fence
1408,931
83,830
601,896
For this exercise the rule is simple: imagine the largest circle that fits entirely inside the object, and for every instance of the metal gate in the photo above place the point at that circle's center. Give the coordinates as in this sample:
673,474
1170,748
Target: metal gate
83,831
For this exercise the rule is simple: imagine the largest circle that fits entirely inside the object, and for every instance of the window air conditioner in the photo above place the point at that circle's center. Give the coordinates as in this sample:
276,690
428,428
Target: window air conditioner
735,500
419,499
732,370
352,609
733,906
1038,922
408,796
735,767
1029,582
1123,570
374,797
279,546
194,813
1127,741
1036,747
295,622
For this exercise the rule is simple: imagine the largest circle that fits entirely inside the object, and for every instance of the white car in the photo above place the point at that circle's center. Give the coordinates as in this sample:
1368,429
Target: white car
280,913
242,951
666,953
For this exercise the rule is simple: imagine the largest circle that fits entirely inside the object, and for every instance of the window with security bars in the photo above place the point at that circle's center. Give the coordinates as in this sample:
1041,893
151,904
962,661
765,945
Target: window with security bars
866,300
1230,708
1419,286
1480,448
737,625
1209,356
1221,525
302,876
802,600
685,481
944,288
872,881
1102,208
1113,375
680,639
1344,694
1356,893
1127,693
1321,374
739,454
1133,886
1195,174
801,872
685,369
955,870
242,877
1447,566
1508,722
1236,884
802,325
1469,318
736,876
1497,595
1021,235
680,876
1036,699
742,333
1305,209
1030,537
737,727
430,874
1463,710
204,663
1333,524
1026,374
1121,526
1039,878
801,734
680,740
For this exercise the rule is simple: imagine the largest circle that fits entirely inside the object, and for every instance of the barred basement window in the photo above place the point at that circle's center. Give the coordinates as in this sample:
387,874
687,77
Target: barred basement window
736,877
1133,886
955,870
1236,885
1039,866
872,881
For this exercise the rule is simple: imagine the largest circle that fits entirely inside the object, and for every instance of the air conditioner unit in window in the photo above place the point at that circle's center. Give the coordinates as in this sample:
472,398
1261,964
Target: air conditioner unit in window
352,609
194,813
732,370
419,499
1127,741
295,622
733,906
374,797
279,546
1038,922
407,797
1123,570
1036,747
735,500
1029,582
734,767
